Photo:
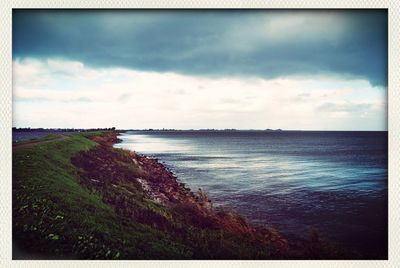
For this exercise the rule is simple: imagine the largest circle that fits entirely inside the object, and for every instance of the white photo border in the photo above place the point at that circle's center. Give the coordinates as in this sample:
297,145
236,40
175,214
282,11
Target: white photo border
6,7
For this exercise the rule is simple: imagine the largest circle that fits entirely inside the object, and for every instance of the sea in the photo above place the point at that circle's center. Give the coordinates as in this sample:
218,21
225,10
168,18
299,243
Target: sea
334,183
27,135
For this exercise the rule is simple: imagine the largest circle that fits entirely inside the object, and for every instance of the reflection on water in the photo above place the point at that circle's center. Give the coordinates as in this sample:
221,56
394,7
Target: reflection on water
335,182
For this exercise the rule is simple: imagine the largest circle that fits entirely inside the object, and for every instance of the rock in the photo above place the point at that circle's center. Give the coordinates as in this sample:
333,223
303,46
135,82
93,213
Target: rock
204,201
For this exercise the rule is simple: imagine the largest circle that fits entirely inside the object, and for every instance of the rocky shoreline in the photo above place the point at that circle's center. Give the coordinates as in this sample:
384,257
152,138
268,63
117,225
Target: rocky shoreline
138,180
163,187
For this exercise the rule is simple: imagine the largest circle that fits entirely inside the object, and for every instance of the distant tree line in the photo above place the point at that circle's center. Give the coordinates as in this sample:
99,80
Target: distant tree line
27,129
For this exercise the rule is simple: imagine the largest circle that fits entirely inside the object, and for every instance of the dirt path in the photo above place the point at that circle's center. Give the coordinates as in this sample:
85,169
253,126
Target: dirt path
36,142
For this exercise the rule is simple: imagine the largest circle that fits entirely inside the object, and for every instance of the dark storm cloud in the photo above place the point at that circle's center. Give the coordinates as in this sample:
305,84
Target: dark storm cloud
269,44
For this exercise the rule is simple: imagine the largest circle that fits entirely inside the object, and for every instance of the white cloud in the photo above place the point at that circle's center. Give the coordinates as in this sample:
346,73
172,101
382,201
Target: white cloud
65,67
29,72
89,97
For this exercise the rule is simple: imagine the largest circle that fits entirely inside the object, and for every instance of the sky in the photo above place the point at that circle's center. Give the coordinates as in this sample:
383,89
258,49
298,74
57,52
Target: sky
195,69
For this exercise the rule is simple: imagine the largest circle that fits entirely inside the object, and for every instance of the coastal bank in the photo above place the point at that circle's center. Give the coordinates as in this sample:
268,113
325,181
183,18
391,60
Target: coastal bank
77,197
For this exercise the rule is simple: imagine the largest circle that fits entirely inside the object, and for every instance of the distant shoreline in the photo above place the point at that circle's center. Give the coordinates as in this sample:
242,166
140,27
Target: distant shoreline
72,130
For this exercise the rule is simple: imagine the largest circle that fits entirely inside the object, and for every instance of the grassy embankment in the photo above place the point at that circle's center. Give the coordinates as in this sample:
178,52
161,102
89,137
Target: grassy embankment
76,197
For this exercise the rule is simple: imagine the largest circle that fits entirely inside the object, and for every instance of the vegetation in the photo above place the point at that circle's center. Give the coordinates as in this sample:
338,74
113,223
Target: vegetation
78,198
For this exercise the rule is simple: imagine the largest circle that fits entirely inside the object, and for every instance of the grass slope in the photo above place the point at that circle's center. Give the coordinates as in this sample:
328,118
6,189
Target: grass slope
55,217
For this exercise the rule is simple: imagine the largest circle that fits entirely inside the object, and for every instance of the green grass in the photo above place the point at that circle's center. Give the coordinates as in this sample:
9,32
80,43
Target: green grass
55,217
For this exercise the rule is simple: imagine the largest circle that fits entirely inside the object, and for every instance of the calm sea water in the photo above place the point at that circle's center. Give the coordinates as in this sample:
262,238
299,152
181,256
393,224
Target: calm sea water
28,135
18,135
333,182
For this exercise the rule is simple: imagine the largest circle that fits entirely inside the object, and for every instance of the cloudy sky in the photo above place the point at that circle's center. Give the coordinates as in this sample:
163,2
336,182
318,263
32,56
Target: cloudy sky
245,69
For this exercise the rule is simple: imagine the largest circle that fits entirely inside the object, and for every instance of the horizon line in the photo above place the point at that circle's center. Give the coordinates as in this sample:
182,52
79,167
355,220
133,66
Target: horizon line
190,129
